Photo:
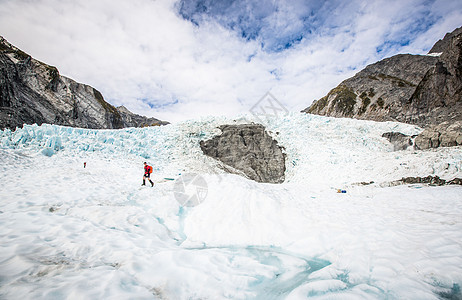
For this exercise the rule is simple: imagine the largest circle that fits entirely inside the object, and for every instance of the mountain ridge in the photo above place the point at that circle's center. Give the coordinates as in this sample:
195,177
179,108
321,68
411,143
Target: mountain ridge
417,89
34,92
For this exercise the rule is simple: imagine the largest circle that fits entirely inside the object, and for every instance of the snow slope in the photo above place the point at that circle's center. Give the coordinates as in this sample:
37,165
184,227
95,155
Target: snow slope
69,232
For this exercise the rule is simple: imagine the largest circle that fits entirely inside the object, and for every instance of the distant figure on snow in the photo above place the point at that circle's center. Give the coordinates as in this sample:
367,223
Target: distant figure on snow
84,165
147,174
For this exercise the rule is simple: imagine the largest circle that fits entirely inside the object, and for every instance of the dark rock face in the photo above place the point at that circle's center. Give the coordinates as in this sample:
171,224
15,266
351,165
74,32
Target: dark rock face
443,44
438,97
416,89
34,92
400,141
446,134
250,149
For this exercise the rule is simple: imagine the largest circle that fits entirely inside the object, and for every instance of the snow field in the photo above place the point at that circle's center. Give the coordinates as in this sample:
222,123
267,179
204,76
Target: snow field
95,233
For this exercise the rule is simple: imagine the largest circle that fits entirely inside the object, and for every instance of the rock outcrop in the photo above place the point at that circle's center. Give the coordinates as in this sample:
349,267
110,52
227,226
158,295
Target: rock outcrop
416,89
34,92
446,134
249,149
431,180
400,141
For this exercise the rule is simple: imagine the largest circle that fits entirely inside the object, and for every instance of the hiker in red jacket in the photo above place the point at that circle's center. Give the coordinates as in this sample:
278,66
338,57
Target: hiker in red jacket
147,174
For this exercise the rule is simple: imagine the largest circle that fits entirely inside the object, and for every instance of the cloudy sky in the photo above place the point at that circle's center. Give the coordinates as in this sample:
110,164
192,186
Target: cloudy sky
176,60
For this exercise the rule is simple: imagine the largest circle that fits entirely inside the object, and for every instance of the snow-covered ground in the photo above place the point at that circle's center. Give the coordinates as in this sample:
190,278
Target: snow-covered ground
69,232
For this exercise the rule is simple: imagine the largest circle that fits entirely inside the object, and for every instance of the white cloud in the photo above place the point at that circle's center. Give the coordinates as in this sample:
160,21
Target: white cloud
143,54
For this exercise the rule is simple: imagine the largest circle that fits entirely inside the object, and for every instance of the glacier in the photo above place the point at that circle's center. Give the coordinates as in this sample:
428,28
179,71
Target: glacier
69,232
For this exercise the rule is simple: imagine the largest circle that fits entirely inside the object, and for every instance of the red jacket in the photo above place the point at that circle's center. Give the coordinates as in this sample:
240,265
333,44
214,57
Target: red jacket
147,169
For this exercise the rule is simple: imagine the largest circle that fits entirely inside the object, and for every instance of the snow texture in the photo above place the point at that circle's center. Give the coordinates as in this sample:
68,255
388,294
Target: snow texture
69,232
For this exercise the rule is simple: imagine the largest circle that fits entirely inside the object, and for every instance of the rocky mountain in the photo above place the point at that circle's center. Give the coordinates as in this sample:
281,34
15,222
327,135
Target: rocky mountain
416,89
438,97
249,149
443,44
34,92
130,119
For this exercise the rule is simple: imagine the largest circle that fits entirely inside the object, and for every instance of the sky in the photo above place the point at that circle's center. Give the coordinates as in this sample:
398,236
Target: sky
177,60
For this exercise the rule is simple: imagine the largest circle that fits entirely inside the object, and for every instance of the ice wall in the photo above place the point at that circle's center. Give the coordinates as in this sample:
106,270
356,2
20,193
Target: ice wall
320,150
